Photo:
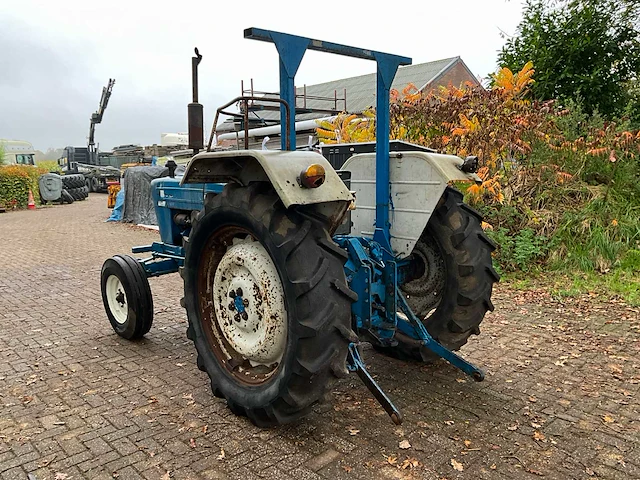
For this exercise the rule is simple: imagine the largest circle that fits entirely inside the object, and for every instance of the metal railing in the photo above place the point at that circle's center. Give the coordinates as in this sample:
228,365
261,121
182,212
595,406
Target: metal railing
245,115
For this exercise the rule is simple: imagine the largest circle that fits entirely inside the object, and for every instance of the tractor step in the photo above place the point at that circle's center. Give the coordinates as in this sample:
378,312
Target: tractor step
356,364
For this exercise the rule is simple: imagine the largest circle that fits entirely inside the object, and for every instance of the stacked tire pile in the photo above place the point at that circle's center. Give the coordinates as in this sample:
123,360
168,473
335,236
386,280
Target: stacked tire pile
75,187
62,188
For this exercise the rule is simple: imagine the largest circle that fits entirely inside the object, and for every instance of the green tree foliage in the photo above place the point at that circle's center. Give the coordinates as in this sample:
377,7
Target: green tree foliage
586,49
632,111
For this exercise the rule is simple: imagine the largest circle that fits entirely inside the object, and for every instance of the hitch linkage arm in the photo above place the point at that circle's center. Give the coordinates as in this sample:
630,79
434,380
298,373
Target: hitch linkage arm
429,342
356,364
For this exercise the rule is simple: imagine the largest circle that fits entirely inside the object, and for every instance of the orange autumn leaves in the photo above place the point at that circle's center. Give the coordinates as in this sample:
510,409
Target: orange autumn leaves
501,125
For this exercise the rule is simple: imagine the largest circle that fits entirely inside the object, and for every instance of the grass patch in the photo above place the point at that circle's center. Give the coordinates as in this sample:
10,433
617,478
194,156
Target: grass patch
623,283
599,236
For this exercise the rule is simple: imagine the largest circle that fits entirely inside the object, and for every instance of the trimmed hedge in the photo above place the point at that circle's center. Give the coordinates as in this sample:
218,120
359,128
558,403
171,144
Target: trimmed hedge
15,182
50,165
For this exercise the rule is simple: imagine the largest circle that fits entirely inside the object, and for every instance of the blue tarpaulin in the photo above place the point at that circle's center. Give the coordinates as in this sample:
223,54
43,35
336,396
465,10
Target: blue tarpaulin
116,213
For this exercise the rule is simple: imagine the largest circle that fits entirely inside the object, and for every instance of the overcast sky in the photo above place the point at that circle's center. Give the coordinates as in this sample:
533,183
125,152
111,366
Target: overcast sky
55,57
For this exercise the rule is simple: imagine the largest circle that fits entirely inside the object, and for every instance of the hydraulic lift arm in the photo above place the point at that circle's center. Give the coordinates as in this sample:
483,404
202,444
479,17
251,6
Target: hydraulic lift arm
96,117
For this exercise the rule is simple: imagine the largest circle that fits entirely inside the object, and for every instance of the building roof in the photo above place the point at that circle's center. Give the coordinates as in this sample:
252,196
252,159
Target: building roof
360,91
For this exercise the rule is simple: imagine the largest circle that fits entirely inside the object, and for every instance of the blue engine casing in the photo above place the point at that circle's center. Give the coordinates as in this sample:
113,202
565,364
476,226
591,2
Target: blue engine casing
170,198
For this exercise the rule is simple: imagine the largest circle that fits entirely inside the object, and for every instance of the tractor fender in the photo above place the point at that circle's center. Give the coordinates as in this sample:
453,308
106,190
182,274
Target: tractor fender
418,180
282,170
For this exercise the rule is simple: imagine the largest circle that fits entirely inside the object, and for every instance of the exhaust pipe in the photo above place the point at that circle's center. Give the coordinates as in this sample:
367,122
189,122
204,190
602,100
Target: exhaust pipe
195,110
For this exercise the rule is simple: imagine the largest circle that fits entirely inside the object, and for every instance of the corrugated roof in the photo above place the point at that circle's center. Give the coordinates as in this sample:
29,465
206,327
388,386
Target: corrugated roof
360,91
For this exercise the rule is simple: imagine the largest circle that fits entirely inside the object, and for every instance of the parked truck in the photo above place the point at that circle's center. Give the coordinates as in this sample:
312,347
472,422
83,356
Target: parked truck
17,152
86,160
96,177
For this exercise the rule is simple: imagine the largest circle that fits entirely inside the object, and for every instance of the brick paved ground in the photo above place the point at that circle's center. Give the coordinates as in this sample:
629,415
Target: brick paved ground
560,401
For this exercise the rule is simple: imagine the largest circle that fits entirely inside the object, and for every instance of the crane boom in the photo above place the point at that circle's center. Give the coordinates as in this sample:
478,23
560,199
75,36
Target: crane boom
96,117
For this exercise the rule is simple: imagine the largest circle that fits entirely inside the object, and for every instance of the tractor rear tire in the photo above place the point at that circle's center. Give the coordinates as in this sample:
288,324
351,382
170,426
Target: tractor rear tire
268,304
453,290
126,296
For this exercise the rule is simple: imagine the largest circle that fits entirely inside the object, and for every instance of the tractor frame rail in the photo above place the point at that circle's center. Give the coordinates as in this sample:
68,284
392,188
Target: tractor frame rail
164,258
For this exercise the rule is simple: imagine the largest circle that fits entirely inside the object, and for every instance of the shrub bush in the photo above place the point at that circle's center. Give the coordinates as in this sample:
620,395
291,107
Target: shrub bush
560,187
15,183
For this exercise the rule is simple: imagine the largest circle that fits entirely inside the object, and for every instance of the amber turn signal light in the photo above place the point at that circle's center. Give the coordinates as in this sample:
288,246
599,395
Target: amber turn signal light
313,176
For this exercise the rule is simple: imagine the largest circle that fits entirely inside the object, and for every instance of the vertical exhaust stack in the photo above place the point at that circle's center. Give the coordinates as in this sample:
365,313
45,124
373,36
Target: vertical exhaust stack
195,110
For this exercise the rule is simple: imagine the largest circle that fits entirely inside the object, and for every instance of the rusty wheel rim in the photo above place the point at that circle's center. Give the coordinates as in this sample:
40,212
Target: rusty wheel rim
242,306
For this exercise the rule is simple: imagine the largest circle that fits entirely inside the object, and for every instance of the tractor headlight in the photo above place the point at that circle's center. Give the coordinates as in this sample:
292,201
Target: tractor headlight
313,176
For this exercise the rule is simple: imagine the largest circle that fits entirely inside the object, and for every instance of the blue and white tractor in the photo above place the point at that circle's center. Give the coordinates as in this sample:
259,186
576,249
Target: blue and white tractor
277,302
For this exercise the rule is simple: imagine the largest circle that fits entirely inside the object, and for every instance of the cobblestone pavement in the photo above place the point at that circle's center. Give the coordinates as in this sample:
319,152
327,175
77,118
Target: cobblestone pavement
560,400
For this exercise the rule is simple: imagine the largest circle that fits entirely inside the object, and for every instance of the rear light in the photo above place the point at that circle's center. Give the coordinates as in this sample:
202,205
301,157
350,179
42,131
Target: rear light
313,176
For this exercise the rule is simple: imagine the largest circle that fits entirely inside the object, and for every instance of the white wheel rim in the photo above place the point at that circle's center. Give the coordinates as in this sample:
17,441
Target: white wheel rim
249,303
117,299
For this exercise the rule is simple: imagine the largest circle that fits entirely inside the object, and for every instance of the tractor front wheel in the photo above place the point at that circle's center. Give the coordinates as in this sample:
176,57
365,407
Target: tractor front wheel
127,296
265,298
